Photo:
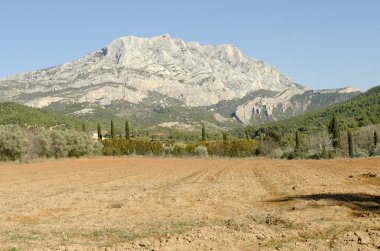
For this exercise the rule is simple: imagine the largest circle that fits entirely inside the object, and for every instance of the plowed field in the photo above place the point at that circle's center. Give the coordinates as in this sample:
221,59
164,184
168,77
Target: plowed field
190,204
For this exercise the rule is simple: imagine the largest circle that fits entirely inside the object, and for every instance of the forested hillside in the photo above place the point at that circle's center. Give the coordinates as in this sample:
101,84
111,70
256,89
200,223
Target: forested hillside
13,113
358,111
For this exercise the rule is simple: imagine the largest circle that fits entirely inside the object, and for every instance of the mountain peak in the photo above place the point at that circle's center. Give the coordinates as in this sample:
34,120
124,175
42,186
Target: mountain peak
157,72
197,75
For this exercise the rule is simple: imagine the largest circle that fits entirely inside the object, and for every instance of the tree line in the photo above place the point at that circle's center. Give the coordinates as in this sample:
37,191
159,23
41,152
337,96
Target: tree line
23,143
264,143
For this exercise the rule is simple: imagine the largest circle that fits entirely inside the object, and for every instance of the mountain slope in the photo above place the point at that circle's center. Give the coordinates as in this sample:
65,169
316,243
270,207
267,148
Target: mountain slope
13,113
157,74
361,110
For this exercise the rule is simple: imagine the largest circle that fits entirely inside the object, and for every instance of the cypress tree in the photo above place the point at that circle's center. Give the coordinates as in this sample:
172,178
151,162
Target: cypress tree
298,143
83,127
100,132
335,132
373,150
350,144
113,133
225,143
203,133
127,132
297,148
260,146
375,139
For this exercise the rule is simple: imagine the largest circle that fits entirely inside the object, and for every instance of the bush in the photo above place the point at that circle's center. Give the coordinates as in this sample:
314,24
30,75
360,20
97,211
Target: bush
375,151
39,143
321,155
276,154
156,148
128,147
241,148
80,144
59,146
19,143
201,151
13,142
167,150
179,149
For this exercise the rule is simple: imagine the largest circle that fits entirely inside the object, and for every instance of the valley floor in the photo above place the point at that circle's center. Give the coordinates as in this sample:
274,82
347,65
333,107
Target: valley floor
117,203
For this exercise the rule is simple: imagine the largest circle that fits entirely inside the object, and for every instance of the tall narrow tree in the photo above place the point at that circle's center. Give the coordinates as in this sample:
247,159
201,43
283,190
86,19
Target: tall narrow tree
113,133
225,139
84,127
298,143
127,132
335,132
373,150
100,137
260,146
375,139
350,144
203,133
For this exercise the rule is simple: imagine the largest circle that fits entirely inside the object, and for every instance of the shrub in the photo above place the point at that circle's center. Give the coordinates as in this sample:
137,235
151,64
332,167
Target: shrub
156,147
276,153
128,147
201,151
142,147
59,146
13,142
215,148
179,149
167,150
80,144
19,143
242,148
39,143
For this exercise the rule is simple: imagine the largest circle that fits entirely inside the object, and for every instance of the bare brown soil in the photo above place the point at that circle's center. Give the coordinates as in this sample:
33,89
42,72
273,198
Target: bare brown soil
190,204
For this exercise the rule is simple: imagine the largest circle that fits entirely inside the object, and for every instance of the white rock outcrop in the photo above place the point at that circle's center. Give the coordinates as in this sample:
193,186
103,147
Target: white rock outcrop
129,67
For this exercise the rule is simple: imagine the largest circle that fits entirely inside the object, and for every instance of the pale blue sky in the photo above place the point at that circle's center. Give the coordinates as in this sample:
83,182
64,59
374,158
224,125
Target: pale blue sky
320,44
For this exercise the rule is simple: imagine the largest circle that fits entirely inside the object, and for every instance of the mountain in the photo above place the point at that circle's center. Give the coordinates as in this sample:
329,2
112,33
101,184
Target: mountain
359,111
165,81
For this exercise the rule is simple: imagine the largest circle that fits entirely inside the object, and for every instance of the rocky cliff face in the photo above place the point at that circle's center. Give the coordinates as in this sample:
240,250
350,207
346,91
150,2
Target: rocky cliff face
157,73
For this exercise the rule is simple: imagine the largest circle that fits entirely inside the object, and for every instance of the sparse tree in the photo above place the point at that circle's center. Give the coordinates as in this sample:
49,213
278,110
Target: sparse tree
127,132
203,133
319,144
100,136
350,144
335,132
113,133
